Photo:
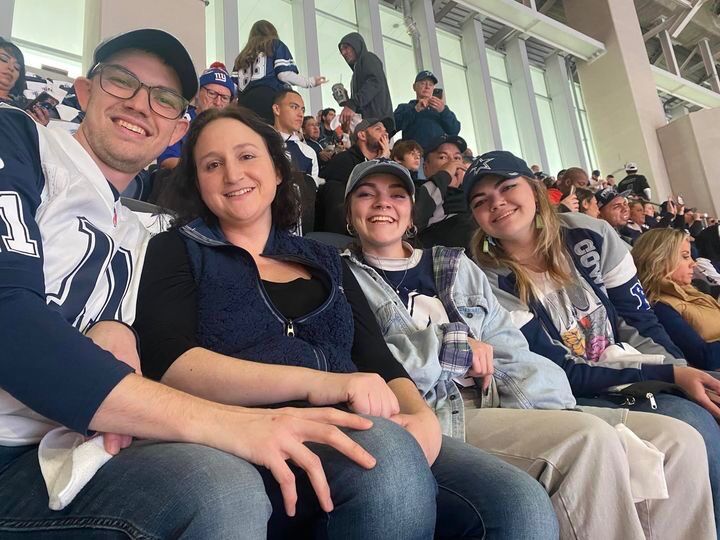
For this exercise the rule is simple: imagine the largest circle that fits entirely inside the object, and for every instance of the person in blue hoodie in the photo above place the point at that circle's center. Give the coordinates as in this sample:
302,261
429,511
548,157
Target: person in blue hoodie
427,117
571,286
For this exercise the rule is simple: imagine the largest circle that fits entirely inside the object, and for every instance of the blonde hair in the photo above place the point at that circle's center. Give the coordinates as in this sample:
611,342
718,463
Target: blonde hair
549,244
261,38
656,255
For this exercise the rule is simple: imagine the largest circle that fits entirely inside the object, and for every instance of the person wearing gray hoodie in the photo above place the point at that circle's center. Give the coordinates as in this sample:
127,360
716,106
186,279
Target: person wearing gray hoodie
369,93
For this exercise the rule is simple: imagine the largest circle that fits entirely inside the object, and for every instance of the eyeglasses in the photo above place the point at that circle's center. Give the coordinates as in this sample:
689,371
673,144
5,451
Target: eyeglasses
213,95
121,83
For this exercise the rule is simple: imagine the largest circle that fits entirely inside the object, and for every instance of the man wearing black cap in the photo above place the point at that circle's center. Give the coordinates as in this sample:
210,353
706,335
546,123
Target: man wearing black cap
369,141
441,213
426,117
69,272
614,209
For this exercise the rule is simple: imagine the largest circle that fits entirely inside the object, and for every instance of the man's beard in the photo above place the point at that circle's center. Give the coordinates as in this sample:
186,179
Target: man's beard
372,143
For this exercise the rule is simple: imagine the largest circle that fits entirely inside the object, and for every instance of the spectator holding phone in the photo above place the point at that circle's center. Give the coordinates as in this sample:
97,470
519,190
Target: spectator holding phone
427,117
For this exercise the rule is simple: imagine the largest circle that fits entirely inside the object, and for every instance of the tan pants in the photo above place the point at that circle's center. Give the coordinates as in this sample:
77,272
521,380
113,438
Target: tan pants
580,461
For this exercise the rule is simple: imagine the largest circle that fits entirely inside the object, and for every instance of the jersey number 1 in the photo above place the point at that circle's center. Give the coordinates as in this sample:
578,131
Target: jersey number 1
17,238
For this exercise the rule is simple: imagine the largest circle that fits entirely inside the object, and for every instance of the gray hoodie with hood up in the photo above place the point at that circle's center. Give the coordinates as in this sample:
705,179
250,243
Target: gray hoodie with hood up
369,93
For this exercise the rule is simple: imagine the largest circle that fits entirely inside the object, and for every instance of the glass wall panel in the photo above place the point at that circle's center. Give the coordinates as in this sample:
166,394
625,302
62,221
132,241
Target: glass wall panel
50,32
342,9
547,125
458,99
402,75
538,79
393,25
496,65
450,47
332,65
506,117
581,113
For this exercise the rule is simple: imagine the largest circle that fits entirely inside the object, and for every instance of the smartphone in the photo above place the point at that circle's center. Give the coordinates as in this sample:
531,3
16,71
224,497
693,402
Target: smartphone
680,199
45,100
438,93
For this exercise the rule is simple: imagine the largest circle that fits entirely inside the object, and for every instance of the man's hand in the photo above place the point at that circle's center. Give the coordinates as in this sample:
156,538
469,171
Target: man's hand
118,340
346,115
437,104
326,154
364,393
384,150
482,362
422,104
272,437
571,203
700,386
425,427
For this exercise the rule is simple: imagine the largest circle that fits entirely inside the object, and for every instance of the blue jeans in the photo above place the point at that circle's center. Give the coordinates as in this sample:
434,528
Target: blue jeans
690,413
171,490
481,496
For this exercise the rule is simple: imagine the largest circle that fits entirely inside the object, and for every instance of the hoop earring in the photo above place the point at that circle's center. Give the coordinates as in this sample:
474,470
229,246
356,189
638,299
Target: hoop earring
411,232
350,229
539,222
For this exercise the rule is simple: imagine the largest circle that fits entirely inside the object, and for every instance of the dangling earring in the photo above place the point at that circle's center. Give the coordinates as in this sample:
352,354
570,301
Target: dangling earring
411,232
539,222
489,241
350,229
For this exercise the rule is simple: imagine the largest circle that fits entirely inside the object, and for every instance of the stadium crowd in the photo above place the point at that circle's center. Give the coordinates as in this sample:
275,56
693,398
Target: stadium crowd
348,326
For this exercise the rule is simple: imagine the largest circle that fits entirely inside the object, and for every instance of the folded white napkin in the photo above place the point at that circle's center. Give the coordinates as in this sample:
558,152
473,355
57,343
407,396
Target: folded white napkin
68,462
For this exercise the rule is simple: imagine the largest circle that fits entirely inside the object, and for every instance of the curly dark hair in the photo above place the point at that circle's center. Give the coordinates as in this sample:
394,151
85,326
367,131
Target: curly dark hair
184,197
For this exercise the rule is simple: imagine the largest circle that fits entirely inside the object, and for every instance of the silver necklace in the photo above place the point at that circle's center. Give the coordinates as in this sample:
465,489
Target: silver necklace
396,288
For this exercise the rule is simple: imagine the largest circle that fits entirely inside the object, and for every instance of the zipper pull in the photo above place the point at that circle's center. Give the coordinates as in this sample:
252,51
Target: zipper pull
290,329
653,403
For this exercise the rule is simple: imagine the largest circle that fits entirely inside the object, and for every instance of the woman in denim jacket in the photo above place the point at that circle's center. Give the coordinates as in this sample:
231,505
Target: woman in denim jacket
235,308
441,320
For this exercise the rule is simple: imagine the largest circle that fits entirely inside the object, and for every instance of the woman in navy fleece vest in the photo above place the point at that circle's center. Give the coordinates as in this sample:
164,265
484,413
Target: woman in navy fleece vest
236,309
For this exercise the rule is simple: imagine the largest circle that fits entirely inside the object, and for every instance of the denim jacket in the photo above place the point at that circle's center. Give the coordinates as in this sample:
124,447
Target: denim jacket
433,356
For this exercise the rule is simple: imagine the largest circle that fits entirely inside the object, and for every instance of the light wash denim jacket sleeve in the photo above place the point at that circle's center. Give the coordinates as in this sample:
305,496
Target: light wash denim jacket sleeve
522,380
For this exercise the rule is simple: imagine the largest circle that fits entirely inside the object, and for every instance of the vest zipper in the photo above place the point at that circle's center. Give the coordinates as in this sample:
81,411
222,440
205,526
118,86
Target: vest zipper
289,328
653,403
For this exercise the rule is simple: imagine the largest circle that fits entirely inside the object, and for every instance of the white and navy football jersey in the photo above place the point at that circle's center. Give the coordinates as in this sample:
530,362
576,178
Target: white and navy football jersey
264,70
70,256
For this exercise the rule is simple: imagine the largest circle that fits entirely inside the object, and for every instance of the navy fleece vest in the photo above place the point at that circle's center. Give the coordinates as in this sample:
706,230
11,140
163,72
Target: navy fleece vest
236,317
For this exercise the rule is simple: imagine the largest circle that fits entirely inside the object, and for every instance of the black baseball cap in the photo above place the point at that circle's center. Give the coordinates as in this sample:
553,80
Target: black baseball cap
439,141
498,163
161,43
604,196
379,166
425,74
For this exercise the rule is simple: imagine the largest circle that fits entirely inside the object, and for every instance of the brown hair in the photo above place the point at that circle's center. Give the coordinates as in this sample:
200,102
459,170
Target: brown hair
549,244
656,256
401,148
260,40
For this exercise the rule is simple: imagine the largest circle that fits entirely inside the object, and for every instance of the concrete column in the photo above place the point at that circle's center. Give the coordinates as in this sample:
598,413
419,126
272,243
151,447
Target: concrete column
227,28
368,18
482,100
563,107
306,54
108,18
422,12
623,107
7,8
523,94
